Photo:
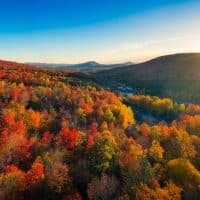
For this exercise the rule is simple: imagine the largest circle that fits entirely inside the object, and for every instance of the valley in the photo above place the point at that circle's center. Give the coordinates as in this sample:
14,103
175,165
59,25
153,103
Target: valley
175,76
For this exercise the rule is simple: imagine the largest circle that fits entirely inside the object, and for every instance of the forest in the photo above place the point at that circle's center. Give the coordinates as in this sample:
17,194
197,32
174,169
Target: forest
62,136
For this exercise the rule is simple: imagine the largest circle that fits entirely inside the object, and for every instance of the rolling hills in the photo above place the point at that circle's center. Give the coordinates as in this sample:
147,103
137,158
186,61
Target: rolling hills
86,66
176,76
29,74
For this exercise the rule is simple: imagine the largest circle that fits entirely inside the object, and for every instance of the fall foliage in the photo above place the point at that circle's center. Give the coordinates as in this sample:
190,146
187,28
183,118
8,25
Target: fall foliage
62,138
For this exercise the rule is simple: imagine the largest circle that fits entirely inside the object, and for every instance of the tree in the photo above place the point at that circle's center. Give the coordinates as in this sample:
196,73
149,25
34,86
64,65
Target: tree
12,182
102,155
35,174
183,172
57,177
15,144
169,192
15,94
108,115
191,123
46,138
67,138
74,195
90,141
104,187
33,119
156,151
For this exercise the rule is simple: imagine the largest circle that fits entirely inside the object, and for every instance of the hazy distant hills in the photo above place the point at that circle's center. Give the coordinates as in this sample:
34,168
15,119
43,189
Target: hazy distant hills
177,76
86,66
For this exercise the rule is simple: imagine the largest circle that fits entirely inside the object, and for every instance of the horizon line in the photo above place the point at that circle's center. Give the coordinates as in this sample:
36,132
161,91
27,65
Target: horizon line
148,58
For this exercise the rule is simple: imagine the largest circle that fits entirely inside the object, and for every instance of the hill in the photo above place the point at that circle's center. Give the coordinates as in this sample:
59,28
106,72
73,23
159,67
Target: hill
29,74
86,66
176,76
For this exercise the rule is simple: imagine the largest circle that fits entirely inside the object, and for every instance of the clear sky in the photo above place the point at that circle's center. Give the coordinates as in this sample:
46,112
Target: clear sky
106,31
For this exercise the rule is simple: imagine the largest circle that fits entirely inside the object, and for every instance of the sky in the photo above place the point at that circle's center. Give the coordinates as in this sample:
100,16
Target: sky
105,31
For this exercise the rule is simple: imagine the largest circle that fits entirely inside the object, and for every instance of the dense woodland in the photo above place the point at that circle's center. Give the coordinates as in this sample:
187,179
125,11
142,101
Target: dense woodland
63,137
176,76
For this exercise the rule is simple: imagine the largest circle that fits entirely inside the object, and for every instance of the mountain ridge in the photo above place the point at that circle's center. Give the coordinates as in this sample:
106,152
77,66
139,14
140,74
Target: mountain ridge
170,75
85,66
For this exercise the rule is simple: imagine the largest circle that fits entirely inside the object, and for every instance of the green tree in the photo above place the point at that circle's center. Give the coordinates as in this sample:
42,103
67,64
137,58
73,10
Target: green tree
183,172
102,154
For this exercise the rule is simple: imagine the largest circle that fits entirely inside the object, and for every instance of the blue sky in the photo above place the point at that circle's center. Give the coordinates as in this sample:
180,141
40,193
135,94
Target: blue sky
107,31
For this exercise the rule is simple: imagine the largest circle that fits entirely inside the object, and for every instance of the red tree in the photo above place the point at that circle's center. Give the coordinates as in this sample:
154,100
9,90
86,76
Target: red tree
67,138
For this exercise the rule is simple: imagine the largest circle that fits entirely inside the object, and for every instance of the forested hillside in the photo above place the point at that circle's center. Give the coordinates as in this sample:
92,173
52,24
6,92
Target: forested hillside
62,137
176,76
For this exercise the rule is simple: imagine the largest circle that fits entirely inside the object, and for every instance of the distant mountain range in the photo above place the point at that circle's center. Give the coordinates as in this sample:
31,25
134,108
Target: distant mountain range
176,76
86,66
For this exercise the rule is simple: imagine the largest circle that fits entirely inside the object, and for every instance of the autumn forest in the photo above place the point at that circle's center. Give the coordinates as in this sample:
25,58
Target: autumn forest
65,137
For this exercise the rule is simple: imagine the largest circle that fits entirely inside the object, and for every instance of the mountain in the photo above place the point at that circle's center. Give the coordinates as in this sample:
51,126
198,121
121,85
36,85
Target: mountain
176,76
86,66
